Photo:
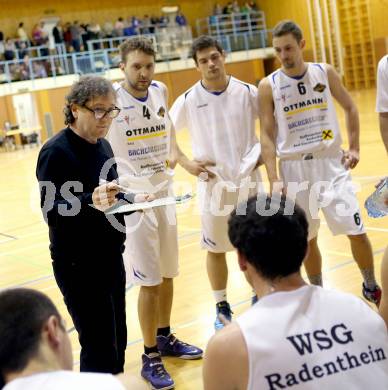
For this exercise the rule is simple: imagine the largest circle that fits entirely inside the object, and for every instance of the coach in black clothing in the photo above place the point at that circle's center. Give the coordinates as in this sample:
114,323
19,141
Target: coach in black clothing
85,248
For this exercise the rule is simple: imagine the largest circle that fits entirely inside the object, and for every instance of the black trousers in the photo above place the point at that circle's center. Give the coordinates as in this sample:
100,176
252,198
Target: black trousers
94,293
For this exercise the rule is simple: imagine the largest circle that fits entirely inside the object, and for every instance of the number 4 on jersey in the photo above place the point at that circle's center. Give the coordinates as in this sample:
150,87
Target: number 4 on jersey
146,112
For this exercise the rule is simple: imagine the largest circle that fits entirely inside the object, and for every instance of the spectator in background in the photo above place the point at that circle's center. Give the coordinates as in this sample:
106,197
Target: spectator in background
217,9
21,33
67,37
22,49
235,7
58,33
108,29
253,6
75,32
36,35
24,68
1,45
154,20
135,23
119,27
9,50
146,25
94,32
228,9
39,70
180,19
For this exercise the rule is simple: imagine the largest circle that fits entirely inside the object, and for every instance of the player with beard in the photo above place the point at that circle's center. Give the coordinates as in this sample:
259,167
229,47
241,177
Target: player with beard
143,142
299,125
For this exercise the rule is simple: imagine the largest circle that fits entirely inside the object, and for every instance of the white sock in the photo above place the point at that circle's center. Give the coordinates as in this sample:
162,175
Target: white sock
219,295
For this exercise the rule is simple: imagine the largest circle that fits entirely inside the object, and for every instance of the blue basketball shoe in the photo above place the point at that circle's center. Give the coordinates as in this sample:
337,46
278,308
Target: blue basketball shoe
154,373
171,346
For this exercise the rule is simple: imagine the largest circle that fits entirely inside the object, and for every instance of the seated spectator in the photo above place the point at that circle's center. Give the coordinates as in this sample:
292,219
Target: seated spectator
9,50
297,334
22,49
24,68
35,349
39,70
21,33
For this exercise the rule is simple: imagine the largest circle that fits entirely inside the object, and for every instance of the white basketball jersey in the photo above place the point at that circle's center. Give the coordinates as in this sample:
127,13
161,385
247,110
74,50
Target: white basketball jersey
382,85
304,113
140,139
315,339
65,380
222,127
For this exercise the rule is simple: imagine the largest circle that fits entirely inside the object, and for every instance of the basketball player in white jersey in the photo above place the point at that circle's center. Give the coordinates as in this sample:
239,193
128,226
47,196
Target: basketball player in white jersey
220,113
382,109
35,349
382,98
299,125
142,138
297,336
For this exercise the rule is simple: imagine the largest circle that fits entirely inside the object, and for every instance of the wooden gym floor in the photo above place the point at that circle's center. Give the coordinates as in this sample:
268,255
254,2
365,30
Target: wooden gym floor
25,260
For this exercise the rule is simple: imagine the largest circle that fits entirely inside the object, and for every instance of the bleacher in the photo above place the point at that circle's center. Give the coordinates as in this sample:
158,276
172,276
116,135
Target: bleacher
235,32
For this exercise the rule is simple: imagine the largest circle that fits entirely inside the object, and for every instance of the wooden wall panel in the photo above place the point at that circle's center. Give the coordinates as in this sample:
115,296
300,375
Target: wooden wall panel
4,116
249,71
379,12
296,10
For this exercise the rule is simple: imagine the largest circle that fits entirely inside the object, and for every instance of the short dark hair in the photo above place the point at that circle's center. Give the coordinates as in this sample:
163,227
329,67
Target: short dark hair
275,243
204,42
23,313
287,27
87,88
144,44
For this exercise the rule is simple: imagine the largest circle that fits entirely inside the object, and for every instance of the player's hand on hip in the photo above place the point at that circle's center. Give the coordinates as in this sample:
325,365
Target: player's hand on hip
104,196
199,168
350,158
140,198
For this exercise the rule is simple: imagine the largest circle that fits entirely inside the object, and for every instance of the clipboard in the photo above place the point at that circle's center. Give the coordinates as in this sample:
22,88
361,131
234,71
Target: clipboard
124,207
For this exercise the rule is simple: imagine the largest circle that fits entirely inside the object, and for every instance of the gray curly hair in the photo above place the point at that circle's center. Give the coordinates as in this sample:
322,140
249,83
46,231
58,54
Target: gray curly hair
87,88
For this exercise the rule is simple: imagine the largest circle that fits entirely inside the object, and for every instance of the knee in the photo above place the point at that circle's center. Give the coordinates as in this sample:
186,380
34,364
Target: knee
150,290
359,238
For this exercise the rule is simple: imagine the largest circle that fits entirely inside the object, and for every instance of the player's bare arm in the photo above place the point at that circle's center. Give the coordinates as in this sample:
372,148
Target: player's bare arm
339,92
268,131
383,308
226,360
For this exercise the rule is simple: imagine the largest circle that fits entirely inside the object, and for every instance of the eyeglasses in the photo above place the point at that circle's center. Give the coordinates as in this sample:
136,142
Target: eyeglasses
99,113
